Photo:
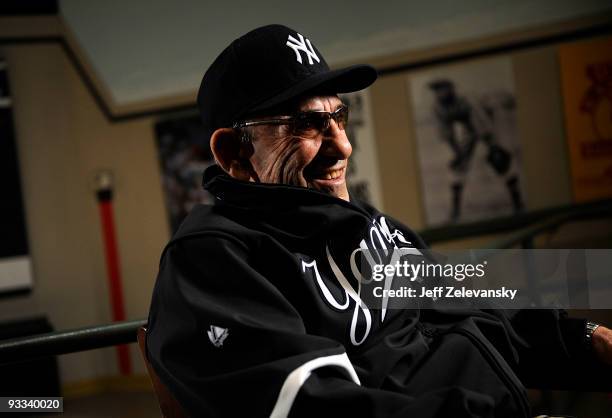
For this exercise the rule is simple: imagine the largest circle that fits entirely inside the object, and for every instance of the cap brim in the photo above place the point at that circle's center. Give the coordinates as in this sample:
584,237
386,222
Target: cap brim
343,80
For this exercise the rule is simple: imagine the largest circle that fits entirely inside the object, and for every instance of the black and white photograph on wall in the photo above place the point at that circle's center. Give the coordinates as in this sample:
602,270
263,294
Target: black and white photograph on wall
184,154
362,174
467,141
15,262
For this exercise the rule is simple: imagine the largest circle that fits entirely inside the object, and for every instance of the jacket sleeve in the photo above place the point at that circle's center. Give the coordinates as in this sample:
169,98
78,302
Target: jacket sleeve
552,353
226,342
549,350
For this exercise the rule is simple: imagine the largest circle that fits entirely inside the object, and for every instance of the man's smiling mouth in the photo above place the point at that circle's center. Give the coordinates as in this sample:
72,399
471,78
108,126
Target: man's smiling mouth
332,173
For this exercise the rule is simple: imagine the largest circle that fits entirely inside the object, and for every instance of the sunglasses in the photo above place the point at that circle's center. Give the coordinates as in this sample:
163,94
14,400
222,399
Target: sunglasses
304,123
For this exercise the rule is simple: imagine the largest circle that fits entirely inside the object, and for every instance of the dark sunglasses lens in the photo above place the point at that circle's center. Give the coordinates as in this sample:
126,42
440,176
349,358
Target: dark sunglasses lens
311,123
341,117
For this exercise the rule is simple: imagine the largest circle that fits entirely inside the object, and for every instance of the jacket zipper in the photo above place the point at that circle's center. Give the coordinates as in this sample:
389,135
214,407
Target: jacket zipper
515,390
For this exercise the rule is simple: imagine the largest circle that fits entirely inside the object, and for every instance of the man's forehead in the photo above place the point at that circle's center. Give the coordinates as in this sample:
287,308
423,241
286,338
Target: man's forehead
319,102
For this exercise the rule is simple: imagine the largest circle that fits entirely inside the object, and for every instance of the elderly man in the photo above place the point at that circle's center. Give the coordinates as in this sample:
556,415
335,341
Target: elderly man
256,310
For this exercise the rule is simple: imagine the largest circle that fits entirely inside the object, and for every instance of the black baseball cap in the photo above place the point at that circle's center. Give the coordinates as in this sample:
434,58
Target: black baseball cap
268,67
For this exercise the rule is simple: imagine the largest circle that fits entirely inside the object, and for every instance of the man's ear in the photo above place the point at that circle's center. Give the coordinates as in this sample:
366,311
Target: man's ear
231,153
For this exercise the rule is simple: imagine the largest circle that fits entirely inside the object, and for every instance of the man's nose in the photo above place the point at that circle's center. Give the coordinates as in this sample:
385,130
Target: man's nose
336,143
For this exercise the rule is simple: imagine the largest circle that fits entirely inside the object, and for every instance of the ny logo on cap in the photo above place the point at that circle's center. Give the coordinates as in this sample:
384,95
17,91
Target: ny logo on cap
302,45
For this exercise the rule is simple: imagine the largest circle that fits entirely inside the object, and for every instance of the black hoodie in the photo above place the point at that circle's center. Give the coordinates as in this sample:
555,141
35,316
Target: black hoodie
256,312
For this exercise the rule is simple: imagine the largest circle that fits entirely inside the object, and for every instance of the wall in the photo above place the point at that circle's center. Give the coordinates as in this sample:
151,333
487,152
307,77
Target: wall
62,140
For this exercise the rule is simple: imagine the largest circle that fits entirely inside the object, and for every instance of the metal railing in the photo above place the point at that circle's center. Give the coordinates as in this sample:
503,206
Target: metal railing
525,223
70,341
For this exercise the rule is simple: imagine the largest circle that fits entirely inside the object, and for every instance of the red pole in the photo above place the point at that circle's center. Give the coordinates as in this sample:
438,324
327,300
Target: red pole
113,269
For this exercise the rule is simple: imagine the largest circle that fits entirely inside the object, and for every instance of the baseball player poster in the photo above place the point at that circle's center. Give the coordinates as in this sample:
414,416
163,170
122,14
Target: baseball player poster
464,117
184,154
586,74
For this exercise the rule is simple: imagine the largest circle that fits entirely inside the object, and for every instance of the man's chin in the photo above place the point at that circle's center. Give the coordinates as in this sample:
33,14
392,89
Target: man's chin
334,187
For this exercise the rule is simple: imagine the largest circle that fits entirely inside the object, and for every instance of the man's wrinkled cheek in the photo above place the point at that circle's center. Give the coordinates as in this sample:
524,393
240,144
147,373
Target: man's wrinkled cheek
293,173
293,167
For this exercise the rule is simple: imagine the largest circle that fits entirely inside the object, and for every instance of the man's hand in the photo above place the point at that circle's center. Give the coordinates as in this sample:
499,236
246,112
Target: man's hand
602,344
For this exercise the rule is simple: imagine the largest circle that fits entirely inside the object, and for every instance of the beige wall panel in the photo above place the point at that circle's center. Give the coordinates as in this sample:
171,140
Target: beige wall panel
127,149
541,132
396,150
63,139
63,275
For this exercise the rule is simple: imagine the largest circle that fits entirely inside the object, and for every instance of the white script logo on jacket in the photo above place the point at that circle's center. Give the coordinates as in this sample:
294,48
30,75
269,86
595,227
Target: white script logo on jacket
379,246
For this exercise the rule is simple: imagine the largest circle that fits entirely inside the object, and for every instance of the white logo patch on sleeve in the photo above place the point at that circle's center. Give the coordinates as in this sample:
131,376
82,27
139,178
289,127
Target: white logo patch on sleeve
217,335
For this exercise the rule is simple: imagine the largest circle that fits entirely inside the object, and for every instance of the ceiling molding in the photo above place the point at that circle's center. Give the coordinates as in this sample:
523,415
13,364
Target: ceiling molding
29,27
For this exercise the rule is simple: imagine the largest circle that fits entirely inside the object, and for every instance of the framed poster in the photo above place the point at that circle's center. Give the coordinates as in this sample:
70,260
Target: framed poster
184,154
15,262
586,75
469,155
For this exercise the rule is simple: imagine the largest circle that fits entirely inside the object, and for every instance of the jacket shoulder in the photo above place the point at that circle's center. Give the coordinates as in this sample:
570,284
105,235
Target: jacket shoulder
204,224
207,219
